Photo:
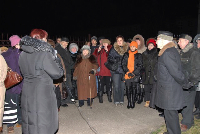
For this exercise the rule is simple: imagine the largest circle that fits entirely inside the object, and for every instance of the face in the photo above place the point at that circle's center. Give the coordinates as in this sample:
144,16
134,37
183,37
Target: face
138,42
94,42
150,46
44,39
58,40
64,44
132,48
85,52
17,46
182,43
88,43
198,43
73,49
105,44
159,42
120,41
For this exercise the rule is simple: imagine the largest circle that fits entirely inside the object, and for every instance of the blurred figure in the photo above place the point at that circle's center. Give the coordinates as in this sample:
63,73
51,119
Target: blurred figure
87,43
39,65
84,73
13,94
3,49
3,73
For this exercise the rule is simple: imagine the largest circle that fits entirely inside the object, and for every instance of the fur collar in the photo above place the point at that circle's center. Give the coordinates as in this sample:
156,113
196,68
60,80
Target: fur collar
169,45
187,48
85,57
121,50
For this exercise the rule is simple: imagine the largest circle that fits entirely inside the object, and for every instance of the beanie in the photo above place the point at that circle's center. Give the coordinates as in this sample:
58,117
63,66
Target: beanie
73,45
134,43
105,41
151,40
186,36
86,47
14,40
165,35
94,38
65,39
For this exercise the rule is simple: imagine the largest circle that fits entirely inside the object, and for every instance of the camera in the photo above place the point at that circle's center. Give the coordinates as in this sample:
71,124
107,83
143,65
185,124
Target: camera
102,46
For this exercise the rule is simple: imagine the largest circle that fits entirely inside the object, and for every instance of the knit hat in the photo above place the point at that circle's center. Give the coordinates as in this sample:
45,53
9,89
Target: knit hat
94,38
134,43
105,41
86,47
186,36
151,40
14,40
73,45
65,39
165,35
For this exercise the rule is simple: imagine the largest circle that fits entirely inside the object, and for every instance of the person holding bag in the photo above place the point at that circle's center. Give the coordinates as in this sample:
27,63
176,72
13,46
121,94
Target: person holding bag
132,64
3,72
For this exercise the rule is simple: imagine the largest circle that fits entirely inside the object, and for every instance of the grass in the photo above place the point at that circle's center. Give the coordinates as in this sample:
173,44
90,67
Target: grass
193,130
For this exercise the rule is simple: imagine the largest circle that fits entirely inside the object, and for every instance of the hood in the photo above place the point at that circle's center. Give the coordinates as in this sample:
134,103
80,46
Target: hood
30,45
194,40
142,45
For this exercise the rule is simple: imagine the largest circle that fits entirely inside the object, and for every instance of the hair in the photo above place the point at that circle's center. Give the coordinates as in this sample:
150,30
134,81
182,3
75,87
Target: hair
51,42
119,36
38,34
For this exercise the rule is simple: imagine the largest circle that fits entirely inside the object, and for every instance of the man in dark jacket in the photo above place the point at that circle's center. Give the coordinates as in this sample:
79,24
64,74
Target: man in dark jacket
170,78
65,54
93,44
190,58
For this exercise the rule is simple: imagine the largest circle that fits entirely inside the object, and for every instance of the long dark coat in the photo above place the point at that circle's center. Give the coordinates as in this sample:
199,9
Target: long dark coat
38,101
81,73
170,78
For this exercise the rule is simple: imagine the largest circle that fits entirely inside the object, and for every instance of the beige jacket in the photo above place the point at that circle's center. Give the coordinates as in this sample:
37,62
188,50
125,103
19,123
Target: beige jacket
3,73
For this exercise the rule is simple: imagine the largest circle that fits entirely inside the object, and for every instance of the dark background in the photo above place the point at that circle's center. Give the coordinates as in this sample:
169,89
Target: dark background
98,17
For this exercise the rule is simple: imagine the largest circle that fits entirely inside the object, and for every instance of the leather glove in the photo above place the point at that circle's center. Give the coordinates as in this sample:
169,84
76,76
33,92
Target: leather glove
187,85
131,75
91,72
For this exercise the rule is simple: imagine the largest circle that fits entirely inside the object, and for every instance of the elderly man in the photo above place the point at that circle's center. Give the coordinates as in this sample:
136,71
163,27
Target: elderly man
170,79
65,54
190,58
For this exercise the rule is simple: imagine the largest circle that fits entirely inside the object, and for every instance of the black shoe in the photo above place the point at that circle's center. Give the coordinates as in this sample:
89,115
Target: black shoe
161,115
64,105
196,112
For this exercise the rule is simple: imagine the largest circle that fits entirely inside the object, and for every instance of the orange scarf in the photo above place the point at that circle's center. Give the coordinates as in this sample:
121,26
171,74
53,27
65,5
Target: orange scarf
130,65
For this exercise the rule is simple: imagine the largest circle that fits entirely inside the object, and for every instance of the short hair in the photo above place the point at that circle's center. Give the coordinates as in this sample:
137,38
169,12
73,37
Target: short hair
119,36
38,34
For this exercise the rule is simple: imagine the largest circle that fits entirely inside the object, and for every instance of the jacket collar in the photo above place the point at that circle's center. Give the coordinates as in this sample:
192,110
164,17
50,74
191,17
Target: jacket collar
169,45
119,49
187,48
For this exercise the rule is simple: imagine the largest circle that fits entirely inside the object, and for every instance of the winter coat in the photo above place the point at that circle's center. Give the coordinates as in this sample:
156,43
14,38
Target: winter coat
39,66
102,57
190,58
12,57
81,74
170,79
65,54
149,61
141,47
93,48
115,57
137,63
3,73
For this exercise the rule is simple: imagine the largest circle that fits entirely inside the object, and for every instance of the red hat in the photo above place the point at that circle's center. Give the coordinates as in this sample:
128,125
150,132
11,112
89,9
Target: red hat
151,40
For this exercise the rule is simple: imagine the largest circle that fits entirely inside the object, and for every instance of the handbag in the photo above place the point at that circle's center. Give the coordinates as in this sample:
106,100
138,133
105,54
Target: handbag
12,78
112,67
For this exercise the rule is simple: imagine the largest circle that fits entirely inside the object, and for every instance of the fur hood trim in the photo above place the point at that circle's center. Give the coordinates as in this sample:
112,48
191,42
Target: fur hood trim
187,48
121,50
142,45
169,45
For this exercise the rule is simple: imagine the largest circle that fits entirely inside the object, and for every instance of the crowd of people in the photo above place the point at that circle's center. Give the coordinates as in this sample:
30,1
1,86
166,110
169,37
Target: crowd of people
163,72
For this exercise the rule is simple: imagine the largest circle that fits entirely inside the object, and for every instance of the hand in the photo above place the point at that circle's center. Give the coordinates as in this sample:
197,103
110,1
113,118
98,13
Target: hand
91,72
187,85
106,48
131,75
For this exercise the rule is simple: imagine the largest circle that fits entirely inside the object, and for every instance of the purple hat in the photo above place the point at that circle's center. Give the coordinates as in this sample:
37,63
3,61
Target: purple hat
14,40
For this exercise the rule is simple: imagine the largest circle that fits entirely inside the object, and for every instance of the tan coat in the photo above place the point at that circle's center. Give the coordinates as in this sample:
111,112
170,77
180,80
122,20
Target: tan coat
81,73
3,73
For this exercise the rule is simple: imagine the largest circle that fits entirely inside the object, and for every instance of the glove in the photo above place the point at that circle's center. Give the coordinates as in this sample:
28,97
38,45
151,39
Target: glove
91,72
187,85
131,75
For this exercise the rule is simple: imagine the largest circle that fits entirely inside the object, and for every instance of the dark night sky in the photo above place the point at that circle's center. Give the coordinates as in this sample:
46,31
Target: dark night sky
67,17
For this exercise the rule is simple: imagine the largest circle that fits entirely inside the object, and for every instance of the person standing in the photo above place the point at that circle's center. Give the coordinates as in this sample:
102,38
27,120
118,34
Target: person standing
115,61
84,73
132,64
190,58
12,97
3,73
93,45
104,75
170,78
39,65
149,58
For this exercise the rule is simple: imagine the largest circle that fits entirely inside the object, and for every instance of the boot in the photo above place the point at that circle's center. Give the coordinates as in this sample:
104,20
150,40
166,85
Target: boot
128,97
140,98
133,98
100,97
197,111
147,104
109,96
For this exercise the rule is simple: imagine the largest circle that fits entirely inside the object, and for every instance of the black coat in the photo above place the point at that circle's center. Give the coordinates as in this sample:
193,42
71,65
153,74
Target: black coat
38,101
65,54
137,63
149,60
170,79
